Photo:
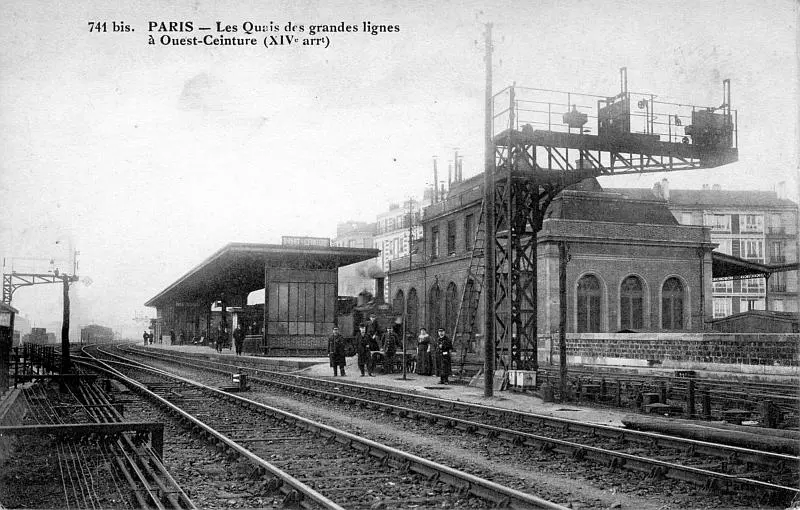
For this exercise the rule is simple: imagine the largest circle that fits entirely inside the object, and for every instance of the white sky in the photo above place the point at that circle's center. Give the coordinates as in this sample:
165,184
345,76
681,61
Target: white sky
150,158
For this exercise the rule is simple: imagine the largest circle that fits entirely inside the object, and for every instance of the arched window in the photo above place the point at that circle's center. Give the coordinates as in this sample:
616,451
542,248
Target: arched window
399,303
450,308
672,304
434,308
412,311
588,304
631,303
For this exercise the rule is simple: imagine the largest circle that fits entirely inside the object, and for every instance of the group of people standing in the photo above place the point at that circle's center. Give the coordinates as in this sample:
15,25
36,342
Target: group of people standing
374,346
434,355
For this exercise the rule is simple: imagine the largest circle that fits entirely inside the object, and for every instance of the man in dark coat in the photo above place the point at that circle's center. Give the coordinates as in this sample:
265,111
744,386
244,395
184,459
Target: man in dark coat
363,343
146,337
389,348
336,352
374,330
238,339
443,348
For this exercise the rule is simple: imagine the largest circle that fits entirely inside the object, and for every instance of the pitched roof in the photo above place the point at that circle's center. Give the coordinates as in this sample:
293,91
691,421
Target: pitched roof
711,197
608,207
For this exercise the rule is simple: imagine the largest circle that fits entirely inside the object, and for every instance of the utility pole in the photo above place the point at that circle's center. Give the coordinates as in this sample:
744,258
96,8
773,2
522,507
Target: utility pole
488,252
562,318
65,280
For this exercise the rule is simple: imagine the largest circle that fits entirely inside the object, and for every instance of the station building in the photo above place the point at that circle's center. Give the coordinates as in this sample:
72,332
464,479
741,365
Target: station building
631,265
297,283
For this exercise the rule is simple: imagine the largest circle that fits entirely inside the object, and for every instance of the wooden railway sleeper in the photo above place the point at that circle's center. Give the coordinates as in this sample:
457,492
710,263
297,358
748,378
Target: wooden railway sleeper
273,484
657,473
292,499
711,484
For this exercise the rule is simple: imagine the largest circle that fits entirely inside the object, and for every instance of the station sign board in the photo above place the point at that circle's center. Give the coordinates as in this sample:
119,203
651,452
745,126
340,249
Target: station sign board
306,241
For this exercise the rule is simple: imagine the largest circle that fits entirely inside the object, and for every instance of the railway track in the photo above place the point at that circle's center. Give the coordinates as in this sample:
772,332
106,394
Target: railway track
96,466
765,476
711,397
315,464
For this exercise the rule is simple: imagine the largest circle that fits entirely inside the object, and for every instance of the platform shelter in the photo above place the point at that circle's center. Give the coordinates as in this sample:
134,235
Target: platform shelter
298,279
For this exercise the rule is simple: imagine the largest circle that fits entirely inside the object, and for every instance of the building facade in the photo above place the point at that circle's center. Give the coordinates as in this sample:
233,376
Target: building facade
395,230
631,265
759,226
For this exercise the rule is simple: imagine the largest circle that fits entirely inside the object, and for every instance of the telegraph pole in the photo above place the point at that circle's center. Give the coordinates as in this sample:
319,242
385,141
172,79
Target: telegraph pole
65,361
562,318
488,251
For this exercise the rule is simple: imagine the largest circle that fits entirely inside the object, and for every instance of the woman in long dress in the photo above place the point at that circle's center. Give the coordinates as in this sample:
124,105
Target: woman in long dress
423,353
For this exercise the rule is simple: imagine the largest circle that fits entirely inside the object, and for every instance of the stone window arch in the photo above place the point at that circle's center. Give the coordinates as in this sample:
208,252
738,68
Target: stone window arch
399,302
589,309
673,296
434,308
412,311
631,303
450,308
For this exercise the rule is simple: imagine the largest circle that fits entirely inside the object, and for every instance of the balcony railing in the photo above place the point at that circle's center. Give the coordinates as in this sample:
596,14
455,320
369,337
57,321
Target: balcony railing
777,230
778,259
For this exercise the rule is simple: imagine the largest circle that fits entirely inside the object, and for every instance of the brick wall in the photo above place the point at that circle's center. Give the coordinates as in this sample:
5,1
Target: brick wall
681,350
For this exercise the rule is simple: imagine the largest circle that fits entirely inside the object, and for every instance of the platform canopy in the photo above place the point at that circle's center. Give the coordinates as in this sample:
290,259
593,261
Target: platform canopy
238,268
727,266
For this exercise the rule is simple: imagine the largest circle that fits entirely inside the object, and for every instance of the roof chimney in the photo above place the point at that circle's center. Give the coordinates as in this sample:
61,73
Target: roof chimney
716,187
665,189
780,190
705,187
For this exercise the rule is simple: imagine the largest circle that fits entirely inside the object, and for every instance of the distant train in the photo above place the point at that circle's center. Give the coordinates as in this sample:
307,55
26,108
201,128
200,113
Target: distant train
94,334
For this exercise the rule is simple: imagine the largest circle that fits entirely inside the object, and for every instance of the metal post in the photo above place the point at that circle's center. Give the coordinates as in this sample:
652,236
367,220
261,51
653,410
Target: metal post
16,365
562,317
706,405
65,362
404,345
690,408
488,198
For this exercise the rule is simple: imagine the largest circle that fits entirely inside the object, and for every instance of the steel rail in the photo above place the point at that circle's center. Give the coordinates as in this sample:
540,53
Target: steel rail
154,468
285,482
654,466
477,486
721,450
128,465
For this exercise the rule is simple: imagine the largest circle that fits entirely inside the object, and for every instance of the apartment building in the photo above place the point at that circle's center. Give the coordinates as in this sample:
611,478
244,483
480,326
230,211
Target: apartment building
759,226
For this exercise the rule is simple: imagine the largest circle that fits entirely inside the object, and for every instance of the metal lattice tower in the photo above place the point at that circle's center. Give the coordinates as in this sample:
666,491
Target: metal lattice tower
544,145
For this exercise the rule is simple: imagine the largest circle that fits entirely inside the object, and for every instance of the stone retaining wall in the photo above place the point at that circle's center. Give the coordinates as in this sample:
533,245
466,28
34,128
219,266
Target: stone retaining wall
745,352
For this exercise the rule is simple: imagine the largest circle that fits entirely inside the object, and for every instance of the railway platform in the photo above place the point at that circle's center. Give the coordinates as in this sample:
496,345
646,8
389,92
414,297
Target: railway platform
425,385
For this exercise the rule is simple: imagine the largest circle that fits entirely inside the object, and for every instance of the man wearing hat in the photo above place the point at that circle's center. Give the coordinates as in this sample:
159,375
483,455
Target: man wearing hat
363,342
443,348
374,330
336,352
